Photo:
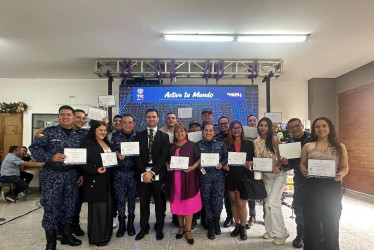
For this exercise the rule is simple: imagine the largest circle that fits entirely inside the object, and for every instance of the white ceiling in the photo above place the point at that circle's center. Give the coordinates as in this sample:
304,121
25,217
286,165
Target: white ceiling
61,39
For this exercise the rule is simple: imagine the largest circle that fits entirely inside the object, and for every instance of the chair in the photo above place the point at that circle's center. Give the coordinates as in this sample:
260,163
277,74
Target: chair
11,188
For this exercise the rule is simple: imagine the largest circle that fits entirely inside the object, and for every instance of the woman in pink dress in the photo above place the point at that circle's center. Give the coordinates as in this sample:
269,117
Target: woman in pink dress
185,199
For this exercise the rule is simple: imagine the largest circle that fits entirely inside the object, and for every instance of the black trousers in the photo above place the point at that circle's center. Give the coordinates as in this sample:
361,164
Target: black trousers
25,176
322,208
228,205
19,185
146,190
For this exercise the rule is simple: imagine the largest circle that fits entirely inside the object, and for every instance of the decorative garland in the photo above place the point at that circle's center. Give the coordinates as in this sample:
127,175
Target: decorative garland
13,107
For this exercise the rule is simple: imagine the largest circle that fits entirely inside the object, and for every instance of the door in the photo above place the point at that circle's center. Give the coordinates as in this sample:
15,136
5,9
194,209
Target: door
11,132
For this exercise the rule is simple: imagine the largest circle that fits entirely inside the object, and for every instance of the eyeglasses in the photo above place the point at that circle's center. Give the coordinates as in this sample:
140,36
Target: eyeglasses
223,123
236,128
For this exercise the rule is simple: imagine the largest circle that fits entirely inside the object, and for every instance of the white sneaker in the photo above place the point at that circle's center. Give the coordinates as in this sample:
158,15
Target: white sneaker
281,240
115,222
21,195
267,236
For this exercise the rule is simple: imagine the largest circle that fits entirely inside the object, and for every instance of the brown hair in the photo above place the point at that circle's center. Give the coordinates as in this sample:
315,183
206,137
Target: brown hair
176,128
332,137
230,139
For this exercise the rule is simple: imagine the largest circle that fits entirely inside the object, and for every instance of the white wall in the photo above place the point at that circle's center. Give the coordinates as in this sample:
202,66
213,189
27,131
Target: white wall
47,95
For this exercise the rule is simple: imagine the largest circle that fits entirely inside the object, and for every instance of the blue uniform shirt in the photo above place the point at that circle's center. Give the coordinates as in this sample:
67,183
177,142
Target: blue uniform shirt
54,141
117,138
10,165
214,146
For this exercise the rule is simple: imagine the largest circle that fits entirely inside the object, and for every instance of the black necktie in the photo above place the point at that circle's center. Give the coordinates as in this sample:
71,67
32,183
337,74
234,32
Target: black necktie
151,139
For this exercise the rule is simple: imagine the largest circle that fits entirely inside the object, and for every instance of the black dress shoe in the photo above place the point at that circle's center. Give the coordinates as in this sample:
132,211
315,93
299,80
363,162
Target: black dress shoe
159,235
247,226
178,235
141,234
228,222
101,244
189,241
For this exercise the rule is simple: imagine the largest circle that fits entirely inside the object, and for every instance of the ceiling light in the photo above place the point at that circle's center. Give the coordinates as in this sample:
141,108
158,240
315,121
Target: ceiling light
198,37
272,38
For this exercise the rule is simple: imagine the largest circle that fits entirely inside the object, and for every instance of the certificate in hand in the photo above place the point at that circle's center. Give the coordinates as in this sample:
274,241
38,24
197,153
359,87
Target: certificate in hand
195,136
130,148
107,100
237,158
209,159
109,159
250,132
96,113
290,150
321,168
263,165
75,156
179,162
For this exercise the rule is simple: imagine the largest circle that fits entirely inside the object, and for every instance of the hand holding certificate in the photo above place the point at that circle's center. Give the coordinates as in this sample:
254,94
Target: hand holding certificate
321,168
250,132
107,100
209,159
290,150
109,159
179,163
263,165
130,148
237,158
75,156
96,114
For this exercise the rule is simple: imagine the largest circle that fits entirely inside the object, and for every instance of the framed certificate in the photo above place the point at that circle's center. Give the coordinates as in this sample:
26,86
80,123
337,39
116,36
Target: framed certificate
107,100
130,148
75,156
209,159
109,159
237,158
263,165
179,162
321,168
290,150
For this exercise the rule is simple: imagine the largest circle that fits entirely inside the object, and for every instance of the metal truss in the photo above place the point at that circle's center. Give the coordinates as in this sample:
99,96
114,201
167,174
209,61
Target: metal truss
188,68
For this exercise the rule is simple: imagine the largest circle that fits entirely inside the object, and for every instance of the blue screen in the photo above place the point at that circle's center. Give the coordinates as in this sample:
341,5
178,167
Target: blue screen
234,102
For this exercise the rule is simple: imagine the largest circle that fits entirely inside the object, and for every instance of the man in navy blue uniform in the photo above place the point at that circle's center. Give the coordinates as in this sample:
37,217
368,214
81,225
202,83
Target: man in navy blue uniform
59,181
125,185
296,129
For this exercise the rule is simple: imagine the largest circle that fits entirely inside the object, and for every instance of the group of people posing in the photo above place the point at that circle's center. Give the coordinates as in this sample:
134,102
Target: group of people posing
317,201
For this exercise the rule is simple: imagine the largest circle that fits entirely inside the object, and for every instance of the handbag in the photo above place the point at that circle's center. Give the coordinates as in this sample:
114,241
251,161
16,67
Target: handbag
251,189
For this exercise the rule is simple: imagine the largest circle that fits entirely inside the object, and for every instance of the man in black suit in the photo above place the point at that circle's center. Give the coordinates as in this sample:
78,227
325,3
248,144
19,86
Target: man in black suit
154,149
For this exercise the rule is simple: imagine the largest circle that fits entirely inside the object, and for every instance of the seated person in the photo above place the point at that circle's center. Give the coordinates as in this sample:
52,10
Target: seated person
10,173
23,155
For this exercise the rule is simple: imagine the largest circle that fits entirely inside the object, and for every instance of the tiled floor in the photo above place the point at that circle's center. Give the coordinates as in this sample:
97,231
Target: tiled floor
25,232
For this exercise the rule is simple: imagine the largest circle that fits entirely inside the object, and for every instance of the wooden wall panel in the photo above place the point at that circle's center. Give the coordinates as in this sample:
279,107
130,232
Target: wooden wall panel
11,129
356,131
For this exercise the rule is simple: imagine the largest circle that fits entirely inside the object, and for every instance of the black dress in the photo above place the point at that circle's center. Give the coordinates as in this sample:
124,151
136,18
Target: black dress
236,173
97,191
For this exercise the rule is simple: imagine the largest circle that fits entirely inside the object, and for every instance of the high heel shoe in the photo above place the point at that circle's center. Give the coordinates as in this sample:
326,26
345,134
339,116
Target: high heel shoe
179,236
189,241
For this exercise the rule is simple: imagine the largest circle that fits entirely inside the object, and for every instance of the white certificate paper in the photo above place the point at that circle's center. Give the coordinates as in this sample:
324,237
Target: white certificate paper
179,162
237,158
195,136
275,117
250,132
130,148
290,150
185,113
321,168
109,159
75,156
209,159
171,137
263,165
96,114
107,100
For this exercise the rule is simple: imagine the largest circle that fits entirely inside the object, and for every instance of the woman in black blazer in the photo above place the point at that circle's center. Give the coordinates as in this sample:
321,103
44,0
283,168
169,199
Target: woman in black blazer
237,142
97,189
